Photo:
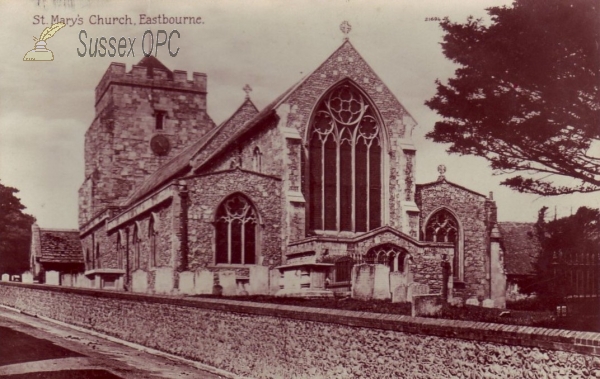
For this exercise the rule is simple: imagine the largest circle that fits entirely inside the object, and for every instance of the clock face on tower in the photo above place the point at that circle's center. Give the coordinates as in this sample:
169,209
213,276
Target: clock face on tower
160,145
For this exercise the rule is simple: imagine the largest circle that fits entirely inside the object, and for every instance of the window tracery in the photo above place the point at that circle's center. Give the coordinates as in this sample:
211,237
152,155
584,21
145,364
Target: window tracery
442,226
236,231
345,163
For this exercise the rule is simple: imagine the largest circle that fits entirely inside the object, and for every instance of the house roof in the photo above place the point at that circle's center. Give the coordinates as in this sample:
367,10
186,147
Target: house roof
60,246
521,247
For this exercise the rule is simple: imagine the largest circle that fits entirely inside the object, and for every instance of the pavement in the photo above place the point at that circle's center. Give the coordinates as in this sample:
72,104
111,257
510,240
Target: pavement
36,348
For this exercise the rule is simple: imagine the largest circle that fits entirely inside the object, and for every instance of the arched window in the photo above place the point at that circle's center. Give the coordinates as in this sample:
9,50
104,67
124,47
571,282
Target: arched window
442,226
135,240
152,237
389,255
257,160
345,163
236,231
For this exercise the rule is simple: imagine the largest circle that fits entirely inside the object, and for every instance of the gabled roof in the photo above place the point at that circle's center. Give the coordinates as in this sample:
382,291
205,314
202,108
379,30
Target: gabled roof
180,164
521,247
60,246
443,180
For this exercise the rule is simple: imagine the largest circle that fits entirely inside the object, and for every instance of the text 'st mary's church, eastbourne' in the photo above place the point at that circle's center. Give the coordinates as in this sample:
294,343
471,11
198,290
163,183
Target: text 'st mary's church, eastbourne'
286,200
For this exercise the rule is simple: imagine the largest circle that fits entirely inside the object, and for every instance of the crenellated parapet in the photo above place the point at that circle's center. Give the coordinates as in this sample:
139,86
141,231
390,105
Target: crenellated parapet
143,76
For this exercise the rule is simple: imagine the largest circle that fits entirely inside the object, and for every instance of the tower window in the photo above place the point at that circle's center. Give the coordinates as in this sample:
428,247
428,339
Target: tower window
160,117
345,163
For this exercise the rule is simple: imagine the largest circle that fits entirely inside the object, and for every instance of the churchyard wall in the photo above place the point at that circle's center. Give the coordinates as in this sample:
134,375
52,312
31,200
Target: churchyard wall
275,341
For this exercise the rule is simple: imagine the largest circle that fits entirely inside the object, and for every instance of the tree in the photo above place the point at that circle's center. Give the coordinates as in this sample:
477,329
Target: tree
15,232
526,95
570,256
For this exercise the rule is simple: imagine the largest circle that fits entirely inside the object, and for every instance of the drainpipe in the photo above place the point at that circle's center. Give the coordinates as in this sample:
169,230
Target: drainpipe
184,197
126,285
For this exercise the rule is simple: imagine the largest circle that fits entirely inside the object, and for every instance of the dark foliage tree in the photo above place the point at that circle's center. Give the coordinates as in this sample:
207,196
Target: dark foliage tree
15,232
526,95
569,257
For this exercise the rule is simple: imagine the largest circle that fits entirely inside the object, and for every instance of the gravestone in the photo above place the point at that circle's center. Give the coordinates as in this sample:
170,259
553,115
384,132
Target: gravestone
228,282
53,278
457,302
427,305
5,277
381,284
186,283
416,289
27,277
139,281
259,280
274,278
488,303
473,301
66,280
399,294
363,281
164,280
204,281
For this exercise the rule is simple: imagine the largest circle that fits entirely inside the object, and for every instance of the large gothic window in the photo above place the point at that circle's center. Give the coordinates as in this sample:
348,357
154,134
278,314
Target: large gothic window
443,227
236,224
345,163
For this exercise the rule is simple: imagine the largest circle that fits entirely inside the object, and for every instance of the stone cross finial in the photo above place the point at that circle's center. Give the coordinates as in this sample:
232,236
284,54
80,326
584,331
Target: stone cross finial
442,170
345,27
247,89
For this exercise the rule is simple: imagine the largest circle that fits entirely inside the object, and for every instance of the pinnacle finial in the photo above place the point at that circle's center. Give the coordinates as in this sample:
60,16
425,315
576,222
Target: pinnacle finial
345,27
442,170
247,89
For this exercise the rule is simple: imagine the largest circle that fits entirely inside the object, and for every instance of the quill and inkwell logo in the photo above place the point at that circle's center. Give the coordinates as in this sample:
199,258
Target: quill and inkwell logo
40,52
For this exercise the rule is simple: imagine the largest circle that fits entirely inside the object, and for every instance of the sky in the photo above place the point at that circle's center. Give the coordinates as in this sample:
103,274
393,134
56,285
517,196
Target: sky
46,107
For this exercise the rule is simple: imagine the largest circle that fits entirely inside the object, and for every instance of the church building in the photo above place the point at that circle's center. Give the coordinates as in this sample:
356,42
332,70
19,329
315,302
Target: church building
286,200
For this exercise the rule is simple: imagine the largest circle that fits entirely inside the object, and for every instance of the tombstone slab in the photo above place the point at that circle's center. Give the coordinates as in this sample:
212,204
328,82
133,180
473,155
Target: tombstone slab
66,280
259,280
472,301
139,281
186,283
363,281
416,289
204,281
27,277
381,284
274,279
427,305
399,294
164,280
228,282
5,277
53,278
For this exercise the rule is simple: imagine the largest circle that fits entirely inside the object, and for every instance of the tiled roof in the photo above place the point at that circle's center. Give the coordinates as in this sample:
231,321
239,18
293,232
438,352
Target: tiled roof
60,246
151,63
521,247
181,162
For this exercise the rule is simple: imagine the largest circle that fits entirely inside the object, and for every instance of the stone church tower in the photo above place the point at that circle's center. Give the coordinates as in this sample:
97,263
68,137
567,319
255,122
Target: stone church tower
143,119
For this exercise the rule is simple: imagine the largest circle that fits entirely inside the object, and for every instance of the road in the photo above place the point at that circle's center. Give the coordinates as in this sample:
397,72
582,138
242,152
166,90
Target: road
33,348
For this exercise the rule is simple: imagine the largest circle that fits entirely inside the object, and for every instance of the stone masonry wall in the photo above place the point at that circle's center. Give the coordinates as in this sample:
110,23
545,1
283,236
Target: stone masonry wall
470,209
274,341
117,144
206,193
